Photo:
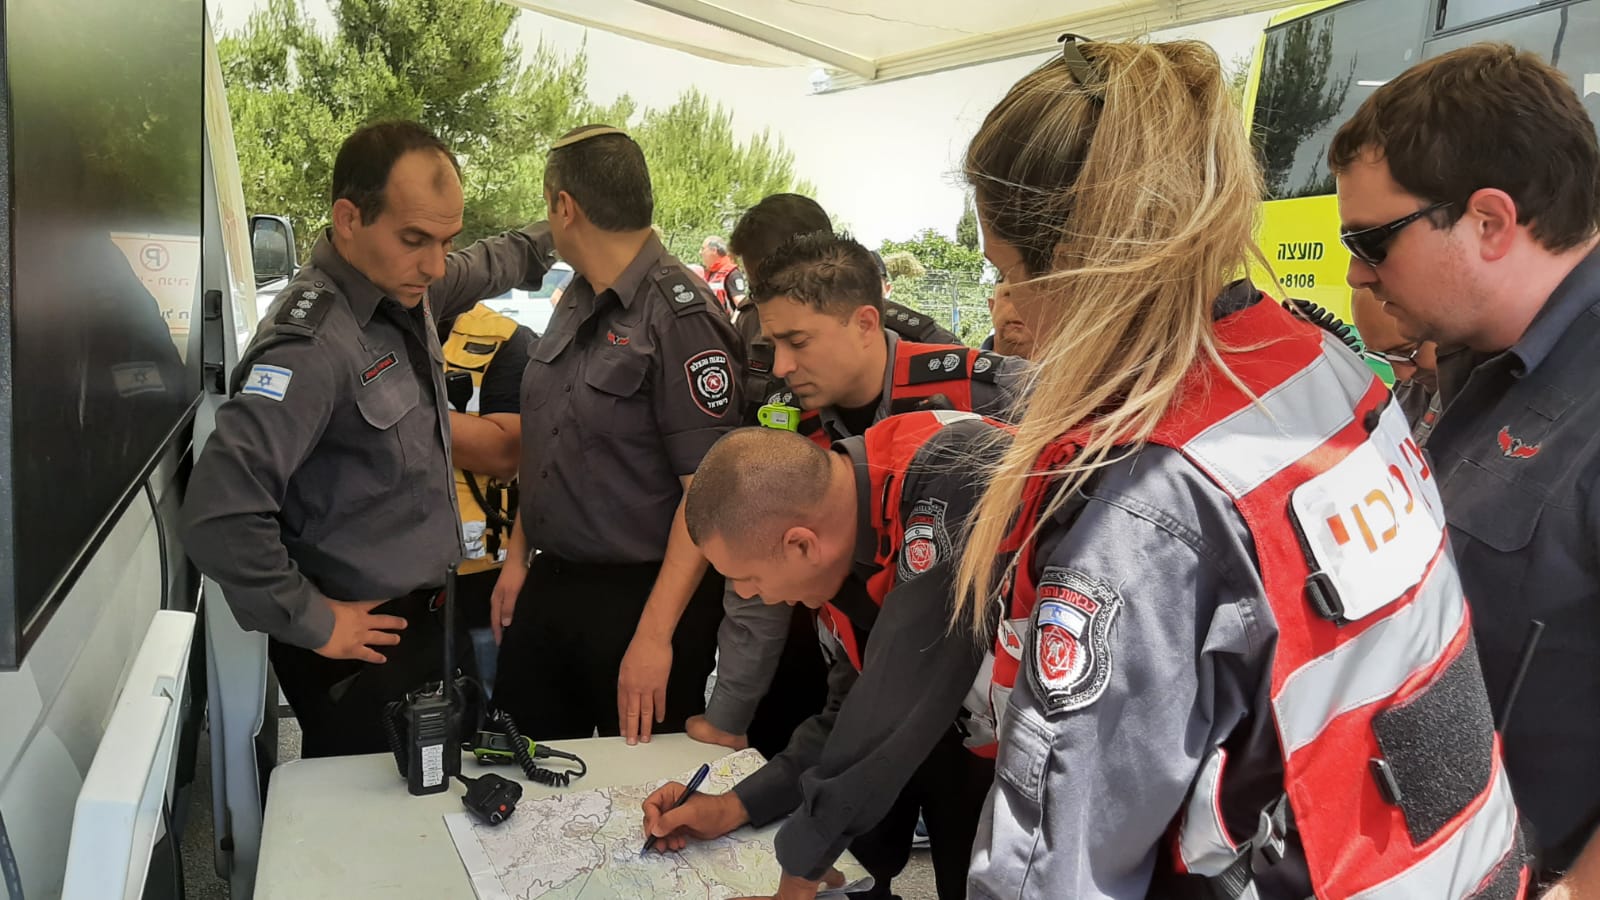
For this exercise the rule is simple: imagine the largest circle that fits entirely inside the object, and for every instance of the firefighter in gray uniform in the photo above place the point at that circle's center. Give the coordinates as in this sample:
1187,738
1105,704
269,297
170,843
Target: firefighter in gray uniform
634,380
324,504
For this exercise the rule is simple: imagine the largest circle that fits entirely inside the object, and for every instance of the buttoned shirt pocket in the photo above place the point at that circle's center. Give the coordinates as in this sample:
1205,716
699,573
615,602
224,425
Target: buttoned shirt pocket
394,458
544,377
1018,804
1499,512
617,405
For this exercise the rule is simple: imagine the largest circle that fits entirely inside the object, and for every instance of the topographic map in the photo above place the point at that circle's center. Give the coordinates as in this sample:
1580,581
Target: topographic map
586,844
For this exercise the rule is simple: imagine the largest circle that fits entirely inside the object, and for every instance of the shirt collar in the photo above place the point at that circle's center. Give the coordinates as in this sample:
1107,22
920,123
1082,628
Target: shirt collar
830,415
628,284
1579,291
359,291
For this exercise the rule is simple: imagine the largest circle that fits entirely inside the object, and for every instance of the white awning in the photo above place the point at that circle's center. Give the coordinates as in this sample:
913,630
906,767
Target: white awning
873,41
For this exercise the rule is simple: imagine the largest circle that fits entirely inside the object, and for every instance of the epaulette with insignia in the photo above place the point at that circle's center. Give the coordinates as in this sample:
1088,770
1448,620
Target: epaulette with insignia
938,365
678,286
304,308
986,366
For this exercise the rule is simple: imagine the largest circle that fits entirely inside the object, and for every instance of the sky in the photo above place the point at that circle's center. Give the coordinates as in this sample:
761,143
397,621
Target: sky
885,159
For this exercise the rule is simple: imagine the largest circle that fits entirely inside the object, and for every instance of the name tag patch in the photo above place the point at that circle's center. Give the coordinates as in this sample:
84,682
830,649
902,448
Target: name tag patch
1374,521
379,366
271,382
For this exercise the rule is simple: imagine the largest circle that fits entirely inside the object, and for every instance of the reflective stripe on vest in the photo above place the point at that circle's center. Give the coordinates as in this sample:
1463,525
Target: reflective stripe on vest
475,338
1343,512
891,448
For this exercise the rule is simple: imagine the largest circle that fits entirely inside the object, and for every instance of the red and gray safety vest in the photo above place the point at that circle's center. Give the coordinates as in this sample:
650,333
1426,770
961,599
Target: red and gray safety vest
923,372
717,279
907,546
1374,664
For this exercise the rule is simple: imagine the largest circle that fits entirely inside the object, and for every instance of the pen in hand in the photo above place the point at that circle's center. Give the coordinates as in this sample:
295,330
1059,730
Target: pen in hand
694,785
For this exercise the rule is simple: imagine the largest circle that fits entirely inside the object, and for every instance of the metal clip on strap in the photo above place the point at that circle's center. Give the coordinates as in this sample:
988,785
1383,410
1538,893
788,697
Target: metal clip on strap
1269,842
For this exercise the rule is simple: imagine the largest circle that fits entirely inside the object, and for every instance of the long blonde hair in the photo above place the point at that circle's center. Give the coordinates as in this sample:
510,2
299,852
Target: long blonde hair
1132,198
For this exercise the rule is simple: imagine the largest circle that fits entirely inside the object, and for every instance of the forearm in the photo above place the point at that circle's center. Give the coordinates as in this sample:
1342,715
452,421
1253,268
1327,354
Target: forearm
681,572
244,553
913,680
774,791
517,546
483,446
1582,882
749,644
491,267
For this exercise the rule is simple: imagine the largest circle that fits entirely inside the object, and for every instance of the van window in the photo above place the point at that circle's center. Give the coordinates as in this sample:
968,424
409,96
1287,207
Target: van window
1315,72
1568,36
1456,13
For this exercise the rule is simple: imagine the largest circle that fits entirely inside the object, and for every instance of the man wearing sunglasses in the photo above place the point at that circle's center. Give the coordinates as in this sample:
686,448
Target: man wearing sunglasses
1469,193
1414,363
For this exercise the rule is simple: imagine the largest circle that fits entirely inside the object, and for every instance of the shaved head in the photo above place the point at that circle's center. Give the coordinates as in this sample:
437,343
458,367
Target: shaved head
755,484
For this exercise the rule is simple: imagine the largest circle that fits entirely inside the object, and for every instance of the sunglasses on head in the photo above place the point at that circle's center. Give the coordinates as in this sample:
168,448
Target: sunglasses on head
1371,245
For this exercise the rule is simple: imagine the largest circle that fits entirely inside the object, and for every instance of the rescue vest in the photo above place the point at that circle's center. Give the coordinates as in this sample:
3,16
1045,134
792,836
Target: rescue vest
1392,769
922,373
475,338
906,547
717,277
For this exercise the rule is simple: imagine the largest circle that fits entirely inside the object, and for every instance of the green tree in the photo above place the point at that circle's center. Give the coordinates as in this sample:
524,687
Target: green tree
938,253
452,65
950,288
1238,75
704,178
1300,95
967,228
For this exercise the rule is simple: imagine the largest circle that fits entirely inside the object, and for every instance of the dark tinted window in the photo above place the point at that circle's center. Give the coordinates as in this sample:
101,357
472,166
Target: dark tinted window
1314,74
1569,37
103,167
1464,12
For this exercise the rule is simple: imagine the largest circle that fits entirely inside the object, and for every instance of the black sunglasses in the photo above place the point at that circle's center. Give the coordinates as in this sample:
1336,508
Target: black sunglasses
1371,245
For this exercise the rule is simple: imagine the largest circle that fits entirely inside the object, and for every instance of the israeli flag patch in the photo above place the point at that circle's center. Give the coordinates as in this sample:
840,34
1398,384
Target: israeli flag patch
271,382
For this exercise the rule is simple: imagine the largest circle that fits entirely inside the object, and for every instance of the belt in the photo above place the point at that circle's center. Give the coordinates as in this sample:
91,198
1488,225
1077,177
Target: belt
429,599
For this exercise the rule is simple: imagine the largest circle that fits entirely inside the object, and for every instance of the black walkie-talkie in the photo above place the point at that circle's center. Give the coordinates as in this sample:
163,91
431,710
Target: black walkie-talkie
433,749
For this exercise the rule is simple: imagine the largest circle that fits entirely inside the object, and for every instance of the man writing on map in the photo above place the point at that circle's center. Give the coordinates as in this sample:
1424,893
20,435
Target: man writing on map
868,535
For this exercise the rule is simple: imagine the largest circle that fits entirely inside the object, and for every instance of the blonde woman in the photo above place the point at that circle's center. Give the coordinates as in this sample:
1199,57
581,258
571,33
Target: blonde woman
1232,657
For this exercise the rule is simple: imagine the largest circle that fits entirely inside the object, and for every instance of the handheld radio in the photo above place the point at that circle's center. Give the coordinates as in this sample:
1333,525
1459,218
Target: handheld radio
780,416
430,717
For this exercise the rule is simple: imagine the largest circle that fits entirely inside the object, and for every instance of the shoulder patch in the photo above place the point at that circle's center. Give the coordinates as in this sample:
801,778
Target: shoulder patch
271,382
926,542
987,366
304,309
938,365
710,381
1071,638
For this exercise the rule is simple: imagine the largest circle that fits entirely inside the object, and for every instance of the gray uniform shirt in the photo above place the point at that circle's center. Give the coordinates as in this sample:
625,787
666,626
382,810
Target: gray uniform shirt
1084,798
752,635
1517,452
329,472
624,394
